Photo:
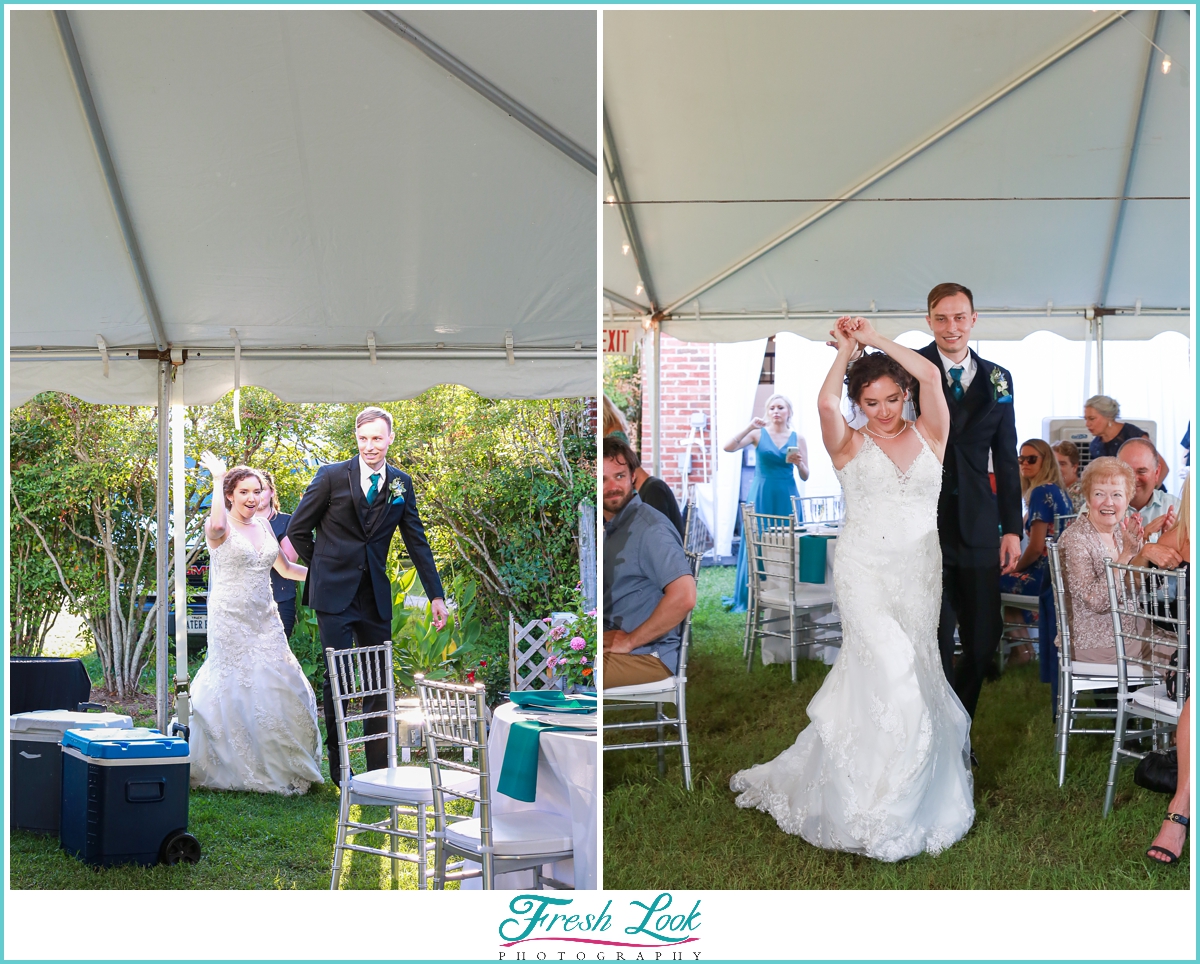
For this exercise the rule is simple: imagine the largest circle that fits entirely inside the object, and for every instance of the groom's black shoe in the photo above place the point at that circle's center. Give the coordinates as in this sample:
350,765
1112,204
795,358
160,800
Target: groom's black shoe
974,759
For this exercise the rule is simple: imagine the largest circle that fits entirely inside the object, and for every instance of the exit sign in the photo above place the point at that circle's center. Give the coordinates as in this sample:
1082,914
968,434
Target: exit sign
620,341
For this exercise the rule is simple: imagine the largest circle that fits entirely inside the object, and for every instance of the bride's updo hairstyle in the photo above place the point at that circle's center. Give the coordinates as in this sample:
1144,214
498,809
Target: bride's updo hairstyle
871,367
234,476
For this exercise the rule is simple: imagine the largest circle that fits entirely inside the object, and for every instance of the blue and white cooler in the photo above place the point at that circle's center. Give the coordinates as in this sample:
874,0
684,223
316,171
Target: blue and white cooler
35,787
125,798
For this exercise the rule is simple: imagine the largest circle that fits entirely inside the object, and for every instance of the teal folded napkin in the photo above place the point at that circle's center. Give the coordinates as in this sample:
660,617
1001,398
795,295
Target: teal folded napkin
553,701
813,552
518,773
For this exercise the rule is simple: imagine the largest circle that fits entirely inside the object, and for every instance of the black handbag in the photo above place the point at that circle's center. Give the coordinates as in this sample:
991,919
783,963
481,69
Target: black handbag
1158,771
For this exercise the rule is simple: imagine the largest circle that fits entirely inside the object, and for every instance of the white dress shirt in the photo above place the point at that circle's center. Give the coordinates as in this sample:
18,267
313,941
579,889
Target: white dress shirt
365,476
968,369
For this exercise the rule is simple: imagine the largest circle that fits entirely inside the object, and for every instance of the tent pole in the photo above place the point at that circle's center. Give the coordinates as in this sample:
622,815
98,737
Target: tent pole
1099,354
656,413
179,527
161,644
1130,161
627,302
903,158
1087,363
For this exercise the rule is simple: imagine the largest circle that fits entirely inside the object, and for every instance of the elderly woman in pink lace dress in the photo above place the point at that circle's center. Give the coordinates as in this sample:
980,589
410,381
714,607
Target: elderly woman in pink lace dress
1103,532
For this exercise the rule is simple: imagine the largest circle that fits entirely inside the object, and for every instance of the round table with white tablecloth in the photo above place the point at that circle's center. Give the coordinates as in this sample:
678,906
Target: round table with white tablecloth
567,784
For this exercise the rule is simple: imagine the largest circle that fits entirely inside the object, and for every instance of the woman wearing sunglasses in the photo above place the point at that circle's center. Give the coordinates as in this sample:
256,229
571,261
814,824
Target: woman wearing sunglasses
1045,496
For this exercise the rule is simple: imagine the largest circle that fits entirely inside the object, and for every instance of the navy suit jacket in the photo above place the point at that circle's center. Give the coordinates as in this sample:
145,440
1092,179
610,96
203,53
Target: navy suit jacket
982,422
341,537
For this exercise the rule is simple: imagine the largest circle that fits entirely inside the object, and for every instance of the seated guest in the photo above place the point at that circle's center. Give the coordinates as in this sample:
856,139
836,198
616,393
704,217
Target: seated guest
1156,507
653,491
1042,491
1100,415
1172,551
648,584
614,422
1168,845
1066,454
1103,532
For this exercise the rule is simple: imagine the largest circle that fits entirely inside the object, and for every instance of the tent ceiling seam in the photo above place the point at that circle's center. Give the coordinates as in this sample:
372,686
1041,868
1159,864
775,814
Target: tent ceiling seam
484,87
116,196
902,159
616,177
1130,162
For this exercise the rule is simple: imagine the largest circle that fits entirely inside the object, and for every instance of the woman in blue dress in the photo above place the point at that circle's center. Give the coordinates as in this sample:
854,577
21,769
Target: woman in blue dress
1043,491
774,483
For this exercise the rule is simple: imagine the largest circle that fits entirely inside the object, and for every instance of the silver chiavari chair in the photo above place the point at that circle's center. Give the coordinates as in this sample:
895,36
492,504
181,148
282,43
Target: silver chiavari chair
456,720
1149,611
1076,677
772,569
407,791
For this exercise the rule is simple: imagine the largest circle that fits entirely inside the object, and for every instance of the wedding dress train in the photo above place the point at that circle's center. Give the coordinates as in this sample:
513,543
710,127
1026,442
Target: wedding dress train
254,715
884,768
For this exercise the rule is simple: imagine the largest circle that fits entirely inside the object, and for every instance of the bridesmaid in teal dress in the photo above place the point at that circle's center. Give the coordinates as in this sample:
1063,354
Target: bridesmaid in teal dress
774,483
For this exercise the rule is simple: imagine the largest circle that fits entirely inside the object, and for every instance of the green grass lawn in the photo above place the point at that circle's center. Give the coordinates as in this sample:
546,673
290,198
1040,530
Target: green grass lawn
249,841
1028,833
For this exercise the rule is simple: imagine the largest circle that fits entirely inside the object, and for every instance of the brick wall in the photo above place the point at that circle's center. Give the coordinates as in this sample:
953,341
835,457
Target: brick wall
686,388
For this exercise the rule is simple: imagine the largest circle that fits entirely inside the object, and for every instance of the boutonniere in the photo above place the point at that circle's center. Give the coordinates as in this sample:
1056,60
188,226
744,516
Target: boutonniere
396,489
1000,390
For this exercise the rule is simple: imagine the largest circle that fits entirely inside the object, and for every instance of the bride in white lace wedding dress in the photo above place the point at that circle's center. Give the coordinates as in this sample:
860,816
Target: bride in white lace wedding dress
254,715
884,768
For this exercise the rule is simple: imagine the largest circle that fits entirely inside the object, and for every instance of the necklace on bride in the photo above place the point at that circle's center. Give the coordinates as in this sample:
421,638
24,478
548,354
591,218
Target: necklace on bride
896,435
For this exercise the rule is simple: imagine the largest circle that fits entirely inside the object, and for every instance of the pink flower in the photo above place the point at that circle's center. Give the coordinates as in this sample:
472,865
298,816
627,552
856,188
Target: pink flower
551,660
583,659
578,643
558,632
546,621
592,613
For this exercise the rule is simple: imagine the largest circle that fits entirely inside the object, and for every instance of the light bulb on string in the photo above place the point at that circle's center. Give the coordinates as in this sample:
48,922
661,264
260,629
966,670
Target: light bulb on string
640,288
611,199
1166,65
625,247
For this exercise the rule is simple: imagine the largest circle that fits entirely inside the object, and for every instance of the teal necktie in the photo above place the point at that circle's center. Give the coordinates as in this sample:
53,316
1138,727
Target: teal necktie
956,389
374,489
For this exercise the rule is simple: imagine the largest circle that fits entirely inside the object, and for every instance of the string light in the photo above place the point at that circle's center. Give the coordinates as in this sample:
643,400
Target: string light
640,288
1166,65
611,199
625,247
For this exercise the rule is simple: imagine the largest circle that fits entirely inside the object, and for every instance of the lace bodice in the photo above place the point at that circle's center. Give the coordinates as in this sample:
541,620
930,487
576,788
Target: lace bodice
240,593
882,502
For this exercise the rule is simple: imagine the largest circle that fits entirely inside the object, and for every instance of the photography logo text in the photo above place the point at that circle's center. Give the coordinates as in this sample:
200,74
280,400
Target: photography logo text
545,928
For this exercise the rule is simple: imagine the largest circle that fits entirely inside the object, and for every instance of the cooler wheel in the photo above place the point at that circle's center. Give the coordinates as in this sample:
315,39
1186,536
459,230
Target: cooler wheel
178,846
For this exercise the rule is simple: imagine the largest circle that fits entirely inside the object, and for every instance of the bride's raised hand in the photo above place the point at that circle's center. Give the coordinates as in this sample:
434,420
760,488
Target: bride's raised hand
842,337
213,464
862,331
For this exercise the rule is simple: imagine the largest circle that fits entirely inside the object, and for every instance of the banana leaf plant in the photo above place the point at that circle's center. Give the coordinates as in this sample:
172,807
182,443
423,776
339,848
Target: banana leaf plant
418,646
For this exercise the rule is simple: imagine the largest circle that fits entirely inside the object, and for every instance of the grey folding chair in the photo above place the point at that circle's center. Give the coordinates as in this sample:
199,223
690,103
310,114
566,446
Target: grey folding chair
1149,611
354,674
772,570
456,719
672,690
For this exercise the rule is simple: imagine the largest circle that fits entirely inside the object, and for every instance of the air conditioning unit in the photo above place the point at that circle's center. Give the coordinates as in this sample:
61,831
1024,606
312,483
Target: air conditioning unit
1075,430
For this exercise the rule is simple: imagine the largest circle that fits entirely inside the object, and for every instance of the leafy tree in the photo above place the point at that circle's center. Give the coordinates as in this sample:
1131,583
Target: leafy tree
623,386
84,475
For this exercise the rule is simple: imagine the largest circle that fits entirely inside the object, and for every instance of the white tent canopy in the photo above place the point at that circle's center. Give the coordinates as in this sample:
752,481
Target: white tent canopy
316,183
772,106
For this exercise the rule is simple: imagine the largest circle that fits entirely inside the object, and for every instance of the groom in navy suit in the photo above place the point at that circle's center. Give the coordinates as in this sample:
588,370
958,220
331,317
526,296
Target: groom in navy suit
355,507
980,532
